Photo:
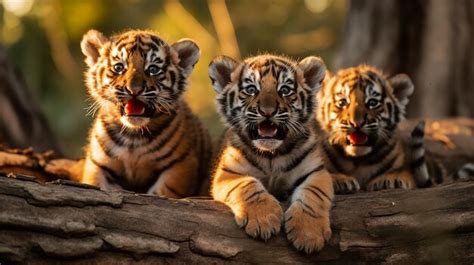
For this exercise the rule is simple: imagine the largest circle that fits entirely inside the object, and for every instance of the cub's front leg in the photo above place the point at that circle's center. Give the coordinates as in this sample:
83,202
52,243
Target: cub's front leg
253,207
307,219
93,174
178,181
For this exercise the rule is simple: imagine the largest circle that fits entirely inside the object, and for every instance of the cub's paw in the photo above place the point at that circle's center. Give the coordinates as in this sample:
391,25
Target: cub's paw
344,184
392,181
306,229
261,217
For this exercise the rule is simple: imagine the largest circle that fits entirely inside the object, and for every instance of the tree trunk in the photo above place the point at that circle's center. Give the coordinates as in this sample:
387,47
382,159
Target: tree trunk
430,40
22,123
79,224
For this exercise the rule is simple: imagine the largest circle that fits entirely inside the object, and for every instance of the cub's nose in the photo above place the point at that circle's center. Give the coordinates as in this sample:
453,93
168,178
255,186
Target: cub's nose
135,90
267,112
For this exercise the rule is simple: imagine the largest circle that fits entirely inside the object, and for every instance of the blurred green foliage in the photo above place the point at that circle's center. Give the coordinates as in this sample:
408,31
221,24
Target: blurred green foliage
43,36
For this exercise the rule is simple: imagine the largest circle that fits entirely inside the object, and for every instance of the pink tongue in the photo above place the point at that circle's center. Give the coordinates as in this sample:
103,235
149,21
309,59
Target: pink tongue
357,138
134,107
267,129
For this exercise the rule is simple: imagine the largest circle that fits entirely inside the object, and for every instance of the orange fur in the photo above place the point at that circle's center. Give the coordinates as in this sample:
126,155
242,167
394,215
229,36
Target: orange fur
285,163
164,150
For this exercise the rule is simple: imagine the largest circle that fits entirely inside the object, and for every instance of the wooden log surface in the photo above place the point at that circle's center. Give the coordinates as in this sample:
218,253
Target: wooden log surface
78,224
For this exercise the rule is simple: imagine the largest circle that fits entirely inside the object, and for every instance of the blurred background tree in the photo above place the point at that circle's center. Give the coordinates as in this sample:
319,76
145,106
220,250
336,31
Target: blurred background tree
42,38
430,40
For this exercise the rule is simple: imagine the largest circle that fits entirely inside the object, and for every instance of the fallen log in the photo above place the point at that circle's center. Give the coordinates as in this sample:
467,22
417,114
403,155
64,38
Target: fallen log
79,224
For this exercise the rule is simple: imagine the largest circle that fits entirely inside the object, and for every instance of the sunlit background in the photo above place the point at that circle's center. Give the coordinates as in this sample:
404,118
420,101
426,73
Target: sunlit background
43,36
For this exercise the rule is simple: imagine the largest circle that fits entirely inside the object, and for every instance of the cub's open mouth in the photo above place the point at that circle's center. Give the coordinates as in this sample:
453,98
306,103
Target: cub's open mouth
267,129
357,138
135,108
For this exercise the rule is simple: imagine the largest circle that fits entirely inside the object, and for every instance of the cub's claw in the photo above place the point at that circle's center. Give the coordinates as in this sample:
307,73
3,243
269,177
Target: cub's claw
344,184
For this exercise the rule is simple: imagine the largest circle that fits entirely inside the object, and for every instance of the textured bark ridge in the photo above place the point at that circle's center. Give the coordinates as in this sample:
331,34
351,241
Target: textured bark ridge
79,224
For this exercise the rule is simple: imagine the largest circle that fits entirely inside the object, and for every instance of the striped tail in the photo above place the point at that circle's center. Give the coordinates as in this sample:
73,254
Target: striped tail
466,172
417,158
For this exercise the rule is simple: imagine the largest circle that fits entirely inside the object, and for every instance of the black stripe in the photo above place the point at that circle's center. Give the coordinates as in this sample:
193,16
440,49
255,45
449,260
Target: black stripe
416,145
417,163
236,186
333,158
231,171
157,40
112,132
110,175
231,99
172,149
380,151
417,133
397,115
435,171
174,162
173,78
384,168
156,174
313,192
307,209
317,189
166,138
304,177
299,159
174,191
254,194
104,146
251,161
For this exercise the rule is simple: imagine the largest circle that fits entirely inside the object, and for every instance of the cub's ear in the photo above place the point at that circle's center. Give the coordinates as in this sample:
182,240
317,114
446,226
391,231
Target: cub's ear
91,43
188,54
327,78
402,87
220,70
314,71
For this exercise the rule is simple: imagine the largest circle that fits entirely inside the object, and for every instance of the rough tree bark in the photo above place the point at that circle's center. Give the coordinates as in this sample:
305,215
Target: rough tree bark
431,40
22,123
68,222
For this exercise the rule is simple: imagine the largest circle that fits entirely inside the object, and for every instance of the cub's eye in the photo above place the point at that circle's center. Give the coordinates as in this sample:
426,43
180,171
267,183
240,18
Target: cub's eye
118,68
341,103
286,91
372,103
153,70
250,90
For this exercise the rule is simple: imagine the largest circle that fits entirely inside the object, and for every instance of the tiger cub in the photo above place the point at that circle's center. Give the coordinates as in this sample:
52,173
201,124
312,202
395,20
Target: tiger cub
269,151
144,138
359,111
